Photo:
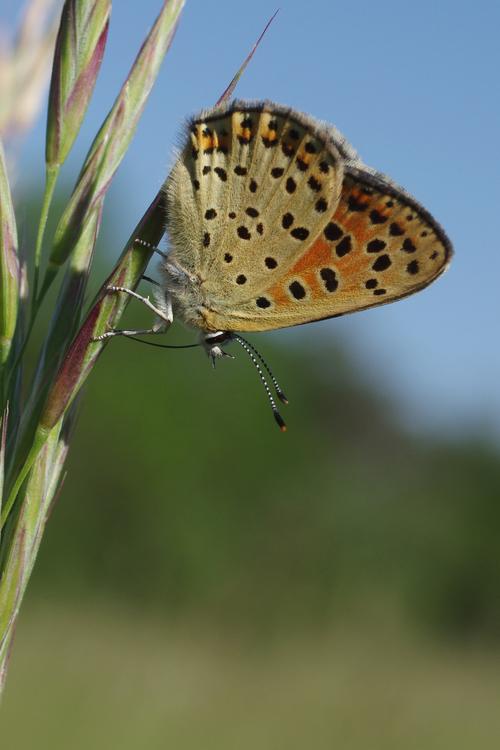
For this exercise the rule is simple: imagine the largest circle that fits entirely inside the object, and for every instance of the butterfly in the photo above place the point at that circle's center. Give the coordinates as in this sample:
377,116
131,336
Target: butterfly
273,220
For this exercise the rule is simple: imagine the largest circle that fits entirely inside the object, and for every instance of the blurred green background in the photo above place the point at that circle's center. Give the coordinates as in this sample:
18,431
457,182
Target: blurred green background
206,581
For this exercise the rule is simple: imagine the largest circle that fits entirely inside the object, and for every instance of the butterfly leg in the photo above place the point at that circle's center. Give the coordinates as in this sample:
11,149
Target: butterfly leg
165,316
159,327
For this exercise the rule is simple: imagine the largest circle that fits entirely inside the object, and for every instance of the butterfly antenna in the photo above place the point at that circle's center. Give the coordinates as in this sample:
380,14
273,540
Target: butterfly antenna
250,351
150,245
278,390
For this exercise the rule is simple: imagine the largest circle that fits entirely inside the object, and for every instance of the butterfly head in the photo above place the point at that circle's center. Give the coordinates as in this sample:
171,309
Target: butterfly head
213,343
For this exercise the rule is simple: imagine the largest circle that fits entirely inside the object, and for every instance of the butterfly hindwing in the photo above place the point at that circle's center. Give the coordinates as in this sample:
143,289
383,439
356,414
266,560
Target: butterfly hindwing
389,246
378,246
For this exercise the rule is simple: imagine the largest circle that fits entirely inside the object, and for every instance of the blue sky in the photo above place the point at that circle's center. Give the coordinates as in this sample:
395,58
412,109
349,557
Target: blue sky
415,90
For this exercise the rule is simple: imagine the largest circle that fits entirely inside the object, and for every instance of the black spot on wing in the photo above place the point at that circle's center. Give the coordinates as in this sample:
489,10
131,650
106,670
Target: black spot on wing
243,233
354,204
376,217
332,231
269,142
395,230
413,267
221,173
314,184
329,278
300,233
262,302
297,290
375,246
344,246
408,246
287,148
382,263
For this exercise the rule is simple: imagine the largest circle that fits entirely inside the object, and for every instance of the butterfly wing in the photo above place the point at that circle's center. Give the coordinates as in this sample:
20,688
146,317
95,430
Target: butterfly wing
251,187
283,224
380,245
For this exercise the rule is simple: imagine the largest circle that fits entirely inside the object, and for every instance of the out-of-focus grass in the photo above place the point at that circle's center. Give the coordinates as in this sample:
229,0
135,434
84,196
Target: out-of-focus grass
182,496
103,679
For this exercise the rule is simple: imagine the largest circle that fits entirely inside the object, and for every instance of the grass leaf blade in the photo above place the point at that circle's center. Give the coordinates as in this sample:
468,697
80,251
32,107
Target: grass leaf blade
114,136
9,266
77,59
230,89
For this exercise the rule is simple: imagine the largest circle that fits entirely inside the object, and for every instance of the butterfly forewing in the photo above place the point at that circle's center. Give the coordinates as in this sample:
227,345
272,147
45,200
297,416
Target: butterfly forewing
250,191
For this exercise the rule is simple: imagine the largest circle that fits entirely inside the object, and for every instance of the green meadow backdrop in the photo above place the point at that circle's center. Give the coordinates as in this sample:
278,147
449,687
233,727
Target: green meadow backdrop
207,580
